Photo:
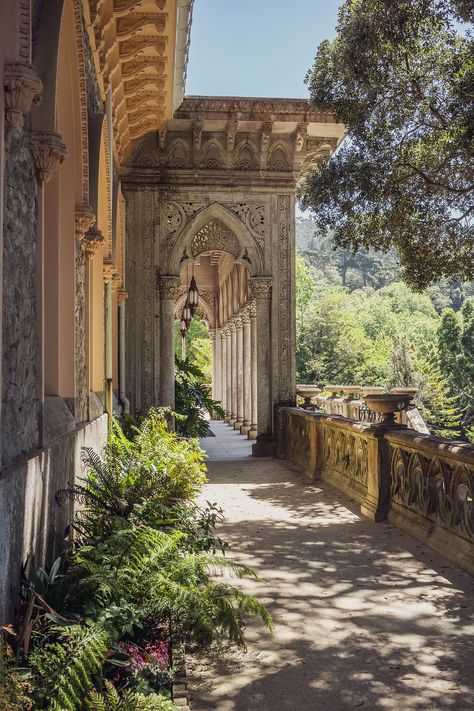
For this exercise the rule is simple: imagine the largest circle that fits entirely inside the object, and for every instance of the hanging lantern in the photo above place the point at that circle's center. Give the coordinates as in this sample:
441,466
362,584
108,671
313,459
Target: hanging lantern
183,327
193,295
187,314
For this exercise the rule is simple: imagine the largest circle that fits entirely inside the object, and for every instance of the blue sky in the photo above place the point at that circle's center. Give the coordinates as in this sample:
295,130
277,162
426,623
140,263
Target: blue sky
256,47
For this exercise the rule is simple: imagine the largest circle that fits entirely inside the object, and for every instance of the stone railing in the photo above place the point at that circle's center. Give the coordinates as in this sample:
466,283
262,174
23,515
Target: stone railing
421,483
346,401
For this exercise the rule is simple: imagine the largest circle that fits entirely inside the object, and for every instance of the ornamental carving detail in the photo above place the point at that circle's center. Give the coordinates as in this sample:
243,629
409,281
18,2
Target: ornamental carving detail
92,241
215,235
173,218
170,287
49,152
436,488
347,454
23,89
253,216
261,287
84,219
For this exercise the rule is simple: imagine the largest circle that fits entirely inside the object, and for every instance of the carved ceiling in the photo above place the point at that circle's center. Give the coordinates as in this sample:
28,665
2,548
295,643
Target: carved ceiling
140,48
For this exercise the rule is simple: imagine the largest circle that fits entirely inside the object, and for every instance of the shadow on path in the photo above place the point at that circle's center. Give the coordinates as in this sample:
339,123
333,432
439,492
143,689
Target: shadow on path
365,616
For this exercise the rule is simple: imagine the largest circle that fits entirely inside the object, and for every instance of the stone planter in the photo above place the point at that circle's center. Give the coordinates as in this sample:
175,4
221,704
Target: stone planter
307,392
387,405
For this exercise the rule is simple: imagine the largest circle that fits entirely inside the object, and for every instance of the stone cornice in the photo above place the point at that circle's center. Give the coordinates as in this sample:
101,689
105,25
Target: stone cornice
23,88
49,152
251,109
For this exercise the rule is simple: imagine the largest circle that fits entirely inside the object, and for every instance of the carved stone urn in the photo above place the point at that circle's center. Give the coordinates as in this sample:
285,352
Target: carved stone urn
387,405
335,390
307,392
351,391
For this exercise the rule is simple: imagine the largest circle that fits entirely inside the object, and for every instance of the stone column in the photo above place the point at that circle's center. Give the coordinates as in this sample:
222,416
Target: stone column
240,372
262,291
224,367
233,373
253,370
169,292
212,336
247,369
218,367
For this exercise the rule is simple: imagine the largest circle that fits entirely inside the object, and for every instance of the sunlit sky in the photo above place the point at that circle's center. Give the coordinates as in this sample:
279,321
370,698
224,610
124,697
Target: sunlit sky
256,47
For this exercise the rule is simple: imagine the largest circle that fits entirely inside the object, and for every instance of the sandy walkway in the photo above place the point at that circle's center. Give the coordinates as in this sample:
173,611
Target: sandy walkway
365,616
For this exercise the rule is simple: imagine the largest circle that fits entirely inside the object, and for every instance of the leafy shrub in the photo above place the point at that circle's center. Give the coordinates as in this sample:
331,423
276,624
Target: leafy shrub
128,700
192,400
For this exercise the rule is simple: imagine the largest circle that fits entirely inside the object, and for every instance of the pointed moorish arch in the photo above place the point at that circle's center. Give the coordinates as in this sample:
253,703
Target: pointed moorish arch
248,254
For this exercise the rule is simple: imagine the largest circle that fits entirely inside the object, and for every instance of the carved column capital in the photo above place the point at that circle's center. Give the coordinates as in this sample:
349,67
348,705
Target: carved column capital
212,334
261,287
49,152
92,242
23,88
232,327
109,270
84,220
122,295
170,287
238,320
252,309
245,315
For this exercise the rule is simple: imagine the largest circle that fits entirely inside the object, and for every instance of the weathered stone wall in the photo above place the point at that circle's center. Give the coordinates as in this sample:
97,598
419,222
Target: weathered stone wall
20,338
33,522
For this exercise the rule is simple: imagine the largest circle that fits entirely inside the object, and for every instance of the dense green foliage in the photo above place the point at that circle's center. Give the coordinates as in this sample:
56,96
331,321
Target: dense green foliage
193,399
96,629
400,76
198,347
359,324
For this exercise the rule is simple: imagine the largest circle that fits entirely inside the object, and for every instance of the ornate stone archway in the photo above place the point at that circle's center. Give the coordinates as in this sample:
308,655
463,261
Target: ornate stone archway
221,176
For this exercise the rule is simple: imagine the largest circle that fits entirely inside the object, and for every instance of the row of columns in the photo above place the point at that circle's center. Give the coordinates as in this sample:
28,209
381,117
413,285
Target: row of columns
234,376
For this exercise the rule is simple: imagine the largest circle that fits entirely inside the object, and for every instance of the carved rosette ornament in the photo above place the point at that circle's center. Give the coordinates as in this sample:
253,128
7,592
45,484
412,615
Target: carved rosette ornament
170,287
261,287
92,241
49,152
23,88
84,220
122,295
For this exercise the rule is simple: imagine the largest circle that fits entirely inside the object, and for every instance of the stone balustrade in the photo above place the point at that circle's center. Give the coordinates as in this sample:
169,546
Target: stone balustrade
421,483
345,400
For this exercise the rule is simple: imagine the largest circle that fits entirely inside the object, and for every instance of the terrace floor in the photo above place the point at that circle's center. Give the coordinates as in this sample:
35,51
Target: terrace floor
365,616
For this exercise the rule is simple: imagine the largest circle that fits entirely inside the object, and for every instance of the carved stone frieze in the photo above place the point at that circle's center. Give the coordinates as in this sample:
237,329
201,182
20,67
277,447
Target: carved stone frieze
49,152
23,89
129,25
347,454
261,287
215,235
170,287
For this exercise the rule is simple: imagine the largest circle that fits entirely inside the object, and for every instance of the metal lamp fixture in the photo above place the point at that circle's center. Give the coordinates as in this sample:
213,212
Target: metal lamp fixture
193,295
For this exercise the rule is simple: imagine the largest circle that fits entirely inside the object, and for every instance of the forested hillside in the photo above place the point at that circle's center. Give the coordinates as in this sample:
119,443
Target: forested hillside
358,323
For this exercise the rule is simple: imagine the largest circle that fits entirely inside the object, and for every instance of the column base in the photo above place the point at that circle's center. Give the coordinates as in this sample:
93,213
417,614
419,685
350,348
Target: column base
231,422
238,424
252,433
264,448
245,429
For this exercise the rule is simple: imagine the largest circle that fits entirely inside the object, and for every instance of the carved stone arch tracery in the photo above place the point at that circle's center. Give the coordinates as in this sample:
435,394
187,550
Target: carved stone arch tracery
278,158
246,157
248,248
215,235
179,155
213,155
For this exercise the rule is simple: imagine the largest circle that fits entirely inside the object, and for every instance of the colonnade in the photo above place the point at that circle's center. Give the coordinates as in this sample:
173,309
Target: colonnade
234,369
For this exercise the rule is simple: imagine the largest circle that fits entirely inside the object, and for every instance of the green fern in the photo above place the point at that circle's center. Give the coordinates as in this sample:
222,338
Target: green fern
112,700
66,667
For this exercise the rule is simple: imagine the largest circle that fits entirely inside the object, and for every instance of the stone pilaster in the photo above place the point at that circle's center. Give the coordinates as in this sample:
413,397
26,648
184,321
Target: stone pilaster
49,152
261,288
169,292
23,89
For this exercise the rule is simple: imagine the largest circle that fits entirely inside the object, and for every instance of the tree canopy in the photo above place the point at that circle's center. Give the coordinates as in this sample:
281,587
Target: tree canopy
400,76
